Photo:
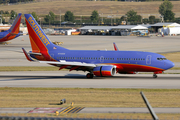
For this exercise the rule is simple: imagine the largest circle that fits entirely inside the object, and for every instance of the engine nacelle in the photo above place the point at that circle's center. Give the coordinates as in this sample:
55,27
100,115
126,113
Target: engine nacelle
104,70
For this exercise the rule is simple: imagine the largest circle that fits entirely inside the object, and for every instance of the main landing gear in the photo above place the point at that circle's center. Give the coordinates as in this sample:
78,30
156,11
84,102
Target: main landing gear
154,76
89,75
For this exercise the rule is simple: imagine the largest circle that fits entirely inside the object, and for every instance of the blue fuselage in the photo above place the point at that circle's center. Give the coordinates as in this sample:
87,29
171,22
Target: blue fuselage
129,60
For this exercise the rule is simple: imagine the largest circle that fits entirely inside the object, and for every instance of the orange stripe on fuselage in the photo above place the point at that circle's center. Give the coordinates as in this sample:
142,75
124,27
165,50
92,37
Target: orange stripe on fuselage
5,38
11,37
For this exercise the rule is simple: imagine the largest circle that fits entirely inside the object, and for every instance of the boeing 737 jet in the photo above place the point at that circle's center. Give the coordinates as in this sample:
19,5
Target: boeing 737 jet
13,32
97,63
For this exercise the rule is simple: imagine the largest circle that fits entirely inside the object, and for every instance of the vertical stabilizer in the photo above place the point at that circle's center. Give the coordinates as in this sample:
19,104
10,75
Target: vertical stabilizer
115,47
39,41
16,25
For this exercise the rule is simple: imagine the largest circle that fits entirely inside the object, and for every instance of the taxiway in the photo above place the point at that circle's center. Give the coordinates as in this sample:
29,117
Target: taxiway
66,79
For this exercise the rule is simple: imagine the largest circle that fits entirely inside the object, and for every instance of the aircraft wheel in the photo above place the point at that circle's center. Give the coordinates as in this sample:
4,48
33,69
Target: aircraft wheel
154,76
89,75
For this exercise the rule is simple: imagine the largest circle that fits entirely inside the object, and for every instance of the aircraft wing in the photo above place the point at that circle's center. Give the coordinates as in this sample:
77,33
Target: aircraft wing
71,65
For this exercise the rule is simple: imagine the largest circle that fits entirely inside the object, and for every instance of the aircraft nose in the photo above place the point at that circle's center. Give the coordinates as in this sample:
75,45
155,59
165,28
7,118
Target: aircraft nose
169,64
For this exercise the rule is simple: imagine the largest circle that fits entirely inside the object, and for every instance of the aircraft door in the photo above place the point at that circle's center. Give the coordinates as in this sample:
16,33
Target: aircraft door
148,60
102,59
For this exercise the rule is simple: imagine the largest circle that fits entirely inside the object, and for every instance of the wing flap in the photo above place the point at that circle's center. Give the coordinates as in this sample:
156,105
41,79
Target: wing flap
64,63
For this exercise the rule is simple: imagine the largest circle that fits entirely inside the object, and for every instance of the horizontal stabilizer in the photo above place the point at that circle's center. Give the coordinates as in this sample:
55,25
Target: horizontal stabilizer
33,53
13,33
27,56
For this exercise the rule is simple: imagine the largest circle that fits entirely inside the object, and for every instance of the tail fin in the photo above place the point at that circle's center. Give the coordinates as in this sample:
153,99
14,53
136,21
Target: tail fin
39,40
16,25
115,47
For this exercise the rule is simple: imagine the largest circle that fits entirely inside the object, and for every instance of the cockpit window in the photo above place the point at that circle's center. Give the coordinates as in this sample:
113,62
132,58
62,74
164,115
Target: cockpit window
161,58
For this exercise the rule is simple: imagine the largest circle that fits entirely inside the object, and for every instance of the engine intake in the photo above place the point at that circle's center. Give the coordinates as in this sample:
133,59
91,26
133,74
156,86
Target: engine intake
104,71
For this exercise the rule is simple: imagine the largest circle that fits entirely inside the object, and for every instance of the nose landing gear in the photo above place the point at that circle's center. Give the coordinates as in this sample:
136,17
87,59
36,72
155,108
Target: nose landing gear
157,72
154,76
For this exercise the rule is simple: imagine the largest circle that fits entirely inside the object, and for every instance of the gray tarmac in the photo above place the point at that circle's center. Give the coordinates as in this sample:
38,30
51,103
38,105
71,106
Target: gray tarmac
75,79
95,110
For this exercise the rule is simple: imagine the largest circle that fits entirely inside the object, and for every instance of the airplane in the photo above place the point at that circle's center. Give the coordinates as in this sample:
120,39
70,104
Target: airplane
99,63
13,32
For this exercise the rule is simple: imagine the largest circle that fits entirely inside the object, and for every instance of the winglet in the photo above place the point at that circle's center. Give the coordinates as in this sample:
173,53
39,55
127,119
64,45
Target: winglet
27,56
115,47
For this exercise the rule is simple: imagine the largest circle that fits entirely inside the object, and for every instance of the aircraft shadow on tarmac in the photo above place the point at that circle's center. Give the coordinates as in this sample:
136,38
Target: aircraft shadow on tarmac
80,76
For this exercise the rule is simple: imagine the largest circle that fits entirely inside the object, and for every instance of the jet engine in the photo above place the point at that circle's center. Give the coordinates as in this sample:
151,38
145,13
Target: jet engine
104,70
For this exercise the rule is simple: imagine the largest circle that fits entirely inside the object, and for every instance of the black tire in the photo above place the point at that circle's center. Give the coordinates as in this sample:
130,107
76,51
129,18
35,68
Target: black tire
154,76
92,75
89,75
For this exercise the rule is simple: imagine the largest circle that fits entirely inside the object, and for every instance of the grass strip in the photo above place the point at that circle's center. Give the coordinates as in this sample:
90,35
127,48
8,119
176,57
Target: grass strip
87,97
127,116
174,57
91,97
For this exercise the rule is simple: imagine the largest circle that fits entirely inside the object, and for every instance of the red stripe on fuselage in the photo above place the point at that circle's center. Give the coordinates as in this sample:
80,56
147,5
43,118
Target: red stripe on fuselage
135,67
15,30
5,38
